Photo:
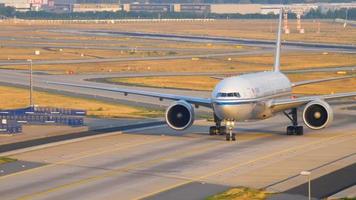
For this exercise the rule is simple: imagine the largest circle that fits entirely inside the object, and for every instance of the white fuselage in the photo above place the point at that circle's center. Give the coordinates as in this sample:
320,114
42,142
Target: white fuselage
247,97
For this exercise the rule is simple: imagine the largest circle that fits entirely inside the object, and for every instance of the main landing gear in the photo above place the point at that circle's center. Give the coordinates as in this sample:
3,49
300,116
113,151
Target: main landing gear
294,129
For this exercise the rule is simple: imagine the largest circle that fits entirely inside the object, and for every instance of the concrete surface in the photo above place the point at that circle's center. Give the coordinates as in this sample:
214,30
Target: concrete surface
37,142
144,163
31,132
125,59
215,39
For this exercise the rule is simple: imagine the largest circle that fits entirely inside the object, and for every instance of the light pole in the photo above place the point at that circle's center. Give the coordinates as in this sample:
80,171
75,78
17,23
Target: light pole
31,83
307,174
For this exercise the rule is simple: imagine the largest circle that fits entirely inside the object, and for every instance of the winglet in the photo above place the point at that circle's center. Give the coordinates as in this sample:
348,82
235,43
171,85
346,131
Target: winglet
278,43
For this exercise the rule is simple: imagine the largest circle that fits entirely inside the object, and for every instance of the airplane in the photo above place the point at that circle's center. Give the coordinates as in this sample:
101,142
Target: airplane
253,96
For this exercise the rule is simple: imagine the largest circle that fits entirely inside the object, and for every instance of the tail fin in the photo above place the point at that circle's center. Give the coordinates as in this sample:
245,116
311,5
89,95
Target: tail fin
278,43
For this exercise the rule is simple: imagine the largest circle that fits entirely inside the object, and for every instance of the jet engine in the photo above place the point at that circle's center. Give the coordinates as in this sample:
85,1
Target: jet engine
317,114
180,115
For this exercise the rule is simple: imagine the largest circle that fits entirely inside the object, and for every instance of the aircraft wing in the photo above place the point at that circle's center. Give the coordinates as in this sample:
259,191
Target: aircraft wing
206,102
283,104
321,80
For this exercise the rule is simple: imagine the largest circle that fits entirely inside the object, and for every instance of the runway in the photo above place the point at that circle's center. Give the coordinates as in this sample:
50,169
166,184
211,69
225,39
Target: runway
242,41
97,45
265,46
144,163
125,59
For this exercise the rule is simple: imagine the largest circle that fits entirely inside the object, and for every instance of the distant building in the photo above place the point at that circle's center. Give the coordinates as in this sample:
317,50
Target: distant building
325,7
19,5
195,8
294,8
61,6
162,8
143,6
91,7
236,8
270,9
157,8
97,2
37,4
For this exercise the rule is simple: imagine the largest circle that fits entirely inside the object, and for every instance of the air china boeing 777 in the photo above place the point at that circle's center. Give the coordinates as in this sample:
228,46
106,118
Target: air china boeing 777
253,96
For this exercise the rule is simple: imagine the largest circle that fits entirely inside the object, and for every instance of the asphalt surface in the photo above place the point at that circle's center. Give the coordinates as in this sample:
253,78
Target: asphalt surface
176,37
57,138
190,191
267,47
322,187
17,166
79,45
333,183
125,59
155,162
248,42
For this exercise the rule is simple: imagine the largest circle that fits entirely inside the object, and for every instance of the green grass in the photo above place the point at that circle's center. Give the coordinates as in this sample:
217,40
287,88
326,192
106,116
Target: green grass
240,193
6,160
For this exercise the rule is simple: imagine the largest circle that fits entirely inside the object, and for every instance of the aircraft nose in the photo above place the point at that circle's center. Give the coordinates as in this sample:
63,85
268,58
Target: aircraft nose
233,112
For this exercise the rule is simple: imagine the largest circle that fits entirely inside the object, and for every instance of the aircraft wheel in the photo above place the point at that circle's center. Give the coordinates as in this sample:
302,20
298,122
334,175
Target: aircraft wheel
290,130
213,130
222,130
227,137
299,130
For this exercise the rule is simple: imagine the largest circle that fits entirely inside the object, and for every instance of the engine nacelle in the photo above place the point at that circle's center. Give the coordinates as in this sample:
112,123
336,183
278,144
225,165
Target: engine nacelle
180,115
318,114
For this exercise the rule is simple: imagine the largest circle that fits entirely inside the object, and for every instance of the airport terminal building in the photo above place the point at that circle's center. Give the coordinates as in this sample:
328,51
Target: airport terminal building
114,6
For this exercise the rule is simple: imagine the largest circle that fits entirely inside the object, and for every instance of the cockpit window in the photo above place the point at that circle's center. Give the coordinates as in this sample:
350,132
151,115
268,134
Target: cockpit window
236,94
231,94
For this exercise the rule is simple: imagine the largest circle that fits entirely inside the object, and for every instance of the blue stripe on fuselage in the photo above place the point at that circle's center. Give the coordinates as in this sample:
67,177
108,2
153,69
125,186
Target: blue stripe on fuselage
222,103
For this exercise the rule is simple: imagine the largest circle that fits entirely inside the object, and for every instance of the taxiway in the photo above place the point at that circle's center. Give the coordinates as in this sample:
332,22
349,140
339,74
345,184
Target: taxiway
148,162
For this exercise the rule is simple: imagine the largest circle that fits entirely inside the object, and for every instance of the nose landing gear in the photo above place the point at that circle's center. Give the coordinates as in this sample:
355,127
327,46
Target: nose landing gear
217,130
223,130
231,136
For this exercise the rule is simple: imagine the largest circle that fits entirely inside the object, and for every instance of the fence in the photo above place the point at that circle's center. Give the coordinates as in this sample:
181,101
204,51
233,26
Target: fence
12,120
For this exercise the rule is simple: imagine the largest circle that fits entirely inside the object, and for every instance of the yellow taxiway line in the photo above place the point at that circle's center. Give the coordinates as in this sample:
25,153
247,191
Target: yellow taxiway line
86,155
182,153
176,154
134,166
242,164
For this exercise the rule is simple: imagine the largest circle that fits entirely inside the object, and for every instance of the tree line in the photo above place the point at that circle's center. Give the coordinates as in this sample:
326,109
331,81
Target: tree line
10,12
240,1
